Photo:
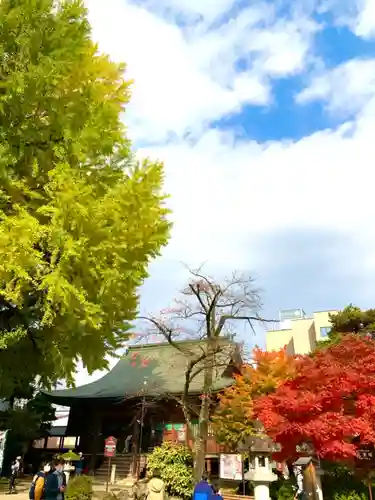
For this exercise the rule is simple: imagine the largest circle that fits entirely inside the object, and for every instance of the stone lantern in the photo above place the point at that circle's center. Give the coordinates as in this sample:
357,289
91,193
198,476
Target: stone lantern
260,465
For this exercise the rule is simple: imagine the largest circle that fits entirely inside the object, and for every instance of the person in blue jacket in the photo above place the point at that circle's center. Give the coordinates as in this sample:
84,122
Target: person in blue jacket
55,482
203,490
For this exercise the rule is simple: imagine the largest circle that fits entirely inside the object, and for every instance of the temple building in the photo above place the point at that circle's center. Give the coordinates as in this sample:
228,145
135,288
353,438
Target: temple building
138,402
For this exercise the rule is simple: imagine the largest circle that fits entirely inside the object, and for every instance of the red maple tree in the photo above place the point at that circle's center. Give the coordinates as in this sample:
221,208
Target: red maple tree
329,404
234,418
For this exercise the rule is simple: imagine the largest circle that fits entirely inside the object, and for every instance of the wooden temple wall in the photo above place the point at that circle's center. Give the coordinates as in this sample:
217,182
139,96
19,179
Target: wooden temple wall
93,425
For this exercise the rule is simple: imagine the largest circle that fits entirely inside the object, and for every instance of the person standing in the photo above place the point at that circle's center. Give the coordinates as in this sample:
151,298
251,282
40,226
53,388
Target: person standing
56,482
203,490
156,487
14,471
128,443
298,474
80,464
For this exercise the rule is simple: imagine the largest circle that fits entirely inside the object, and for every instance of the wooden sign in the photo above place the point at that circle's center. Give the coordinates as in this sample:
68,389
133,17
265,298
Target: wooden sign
110,447
109,451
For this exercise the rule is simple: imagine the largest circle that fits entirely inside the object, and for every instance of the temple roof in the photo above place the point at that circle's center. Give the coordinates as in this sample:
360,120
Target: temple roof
154,370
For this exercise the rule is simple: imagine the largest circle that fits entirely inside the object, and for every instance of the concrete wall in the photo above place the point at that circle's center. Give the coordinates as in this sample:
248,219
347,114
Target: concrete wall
321,320
302,335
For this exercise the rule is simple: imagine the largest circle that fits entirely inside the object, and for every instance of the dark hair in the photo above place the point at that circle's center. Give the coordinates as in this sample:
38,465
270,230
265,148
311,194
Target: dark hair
156,473
215,488
204,476
58,461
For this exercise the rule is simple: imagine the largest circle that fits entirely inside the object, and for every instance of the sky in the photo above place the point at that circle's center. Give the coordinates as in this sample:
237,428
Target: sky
263,113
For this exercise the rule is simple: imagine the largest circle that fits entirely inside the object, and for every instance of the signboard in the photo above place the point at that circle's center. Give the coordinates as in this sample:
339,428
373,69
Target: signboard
110,447
181,434
231,467
109,451
3,439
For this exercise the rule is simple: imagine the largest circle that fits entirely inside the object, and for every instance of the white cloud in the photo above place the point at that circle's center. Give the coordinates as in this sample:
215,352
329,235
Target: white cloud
225,192
228,195
209,10
364,23
185,78
345,89
357,15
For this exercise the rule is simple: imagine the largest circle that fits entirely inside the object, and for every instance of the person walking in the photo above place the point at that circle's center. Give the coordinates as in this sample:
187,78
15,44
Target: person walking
156,487
56,482
37,488
203,490
14,471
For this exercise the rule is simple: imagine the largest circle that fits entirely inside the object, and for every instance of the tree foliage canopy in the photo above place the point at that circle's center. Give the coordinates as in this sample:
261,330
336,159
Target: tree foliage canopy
175,464
350,320
329,404
80,218
234,417
27,417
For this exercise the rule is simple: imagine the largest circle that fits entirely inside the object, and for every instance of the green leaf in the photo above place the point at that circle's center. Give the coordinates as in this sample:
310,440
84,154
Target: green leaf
175,463
80,217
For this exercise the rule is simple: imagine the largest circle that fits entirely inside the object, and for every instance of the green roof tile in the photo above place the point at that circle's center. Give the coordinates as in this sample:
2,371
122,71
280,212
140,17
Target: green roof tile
158,369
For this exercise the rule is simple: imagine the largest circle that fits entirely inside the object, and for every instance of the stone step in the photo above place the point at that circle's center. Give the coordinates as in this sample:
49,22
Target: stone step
123,466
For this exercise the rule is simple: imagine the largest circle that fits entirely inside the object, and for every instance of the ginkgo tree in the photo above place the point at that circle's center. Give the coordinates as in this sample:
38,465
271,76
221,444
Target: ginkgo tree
80,218
234,418
329,404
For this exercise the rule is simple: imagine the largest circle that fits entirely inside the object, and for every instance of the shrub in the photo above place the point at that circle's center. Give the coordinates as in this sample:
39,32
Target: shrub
339,482
175,463
79,488
282,489
349,495
286,491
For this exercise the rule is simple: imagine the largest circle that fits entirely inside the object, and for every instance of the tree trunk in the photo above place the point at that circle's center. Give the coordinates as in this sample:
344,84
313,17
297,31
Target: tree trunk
199,458
204,415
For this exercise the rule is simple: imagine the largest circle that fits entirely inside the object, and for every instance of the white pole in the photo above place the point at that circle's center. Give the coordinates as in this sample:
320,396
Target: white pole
113,474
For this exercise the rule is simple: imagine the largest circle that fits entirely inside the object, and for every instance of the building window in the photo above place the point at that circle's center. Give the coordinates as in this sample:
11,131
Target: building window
69,442
53,442
39,443
324,331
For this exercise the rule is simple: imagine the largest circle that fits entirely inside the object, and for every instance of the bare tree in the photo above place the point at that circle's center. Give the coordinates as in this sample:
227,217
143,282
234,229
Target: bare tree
208,312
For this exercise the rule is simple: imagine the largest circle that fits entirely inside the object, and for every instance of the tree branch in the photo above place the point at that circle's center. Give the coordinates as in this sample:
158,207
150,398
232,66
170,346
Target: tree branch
249,319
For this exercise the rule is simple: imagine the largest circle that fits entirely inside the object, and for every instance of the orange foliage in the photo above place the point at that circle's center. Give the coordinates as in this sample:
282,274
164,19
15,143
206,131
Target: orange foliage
234,418
329,404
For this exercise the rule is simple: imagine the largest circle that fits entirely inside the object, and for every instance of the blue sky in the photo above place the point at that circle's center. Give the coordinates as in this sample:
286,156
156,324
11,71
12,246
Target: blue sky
264,115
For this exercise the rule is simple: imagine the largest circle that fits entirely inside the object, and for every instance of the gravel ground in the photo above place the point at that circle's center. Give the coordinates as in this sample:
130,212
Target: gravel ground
23,487
22,490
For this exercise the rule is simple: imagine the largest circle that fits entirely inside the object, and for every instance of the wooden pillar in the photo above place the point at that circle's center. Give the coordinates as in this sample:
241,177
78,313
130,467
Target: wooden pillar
135,449
96,437
208,466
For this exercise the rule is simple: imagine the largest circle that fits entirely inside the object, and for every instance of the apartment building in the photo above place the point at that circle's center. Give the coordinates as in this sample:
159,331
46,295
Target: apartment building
299,332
